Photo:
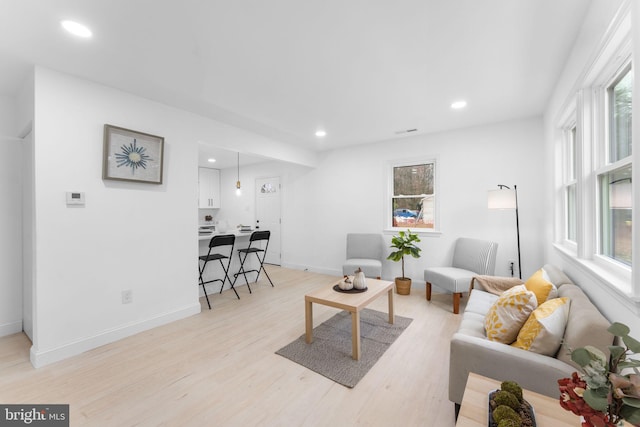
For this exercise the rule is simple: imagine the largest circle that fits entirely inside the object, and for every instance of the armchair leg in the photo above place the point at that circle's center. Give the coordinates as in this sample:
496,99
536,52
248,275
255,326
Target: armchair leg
428,291
456,302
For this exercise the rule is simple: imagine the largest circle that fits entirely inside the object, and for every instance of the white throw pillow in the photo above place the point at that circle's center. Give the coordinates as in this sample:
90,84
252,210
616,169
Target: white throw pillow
507,315
542,333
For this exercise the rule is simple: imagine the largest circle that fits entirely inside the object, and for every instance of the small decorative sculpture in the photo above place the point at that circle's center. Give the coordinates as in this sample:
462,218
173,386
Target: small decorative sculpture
346,284
359,280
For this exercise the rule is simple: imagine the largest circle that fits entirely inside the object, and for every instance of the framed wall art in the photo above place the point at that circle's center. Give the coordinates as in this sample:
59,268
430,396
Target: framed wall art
132,156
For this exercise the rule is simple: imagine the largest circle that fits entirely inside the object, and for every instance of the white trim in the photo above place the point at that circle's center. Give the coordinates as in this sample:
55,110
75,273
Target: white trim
613,44
425,232
319,270
387,228
41,358
616,287
588,103
10,328
620,25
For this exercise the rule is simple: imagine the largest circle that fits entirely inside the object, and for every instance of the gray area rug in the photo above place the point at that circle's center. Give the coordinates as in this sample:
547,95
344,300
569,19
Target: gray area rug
330,352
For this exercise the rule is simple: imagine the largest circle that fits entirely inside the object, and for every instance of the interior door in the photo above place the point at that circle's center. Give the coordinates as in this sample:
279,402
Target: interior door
268,214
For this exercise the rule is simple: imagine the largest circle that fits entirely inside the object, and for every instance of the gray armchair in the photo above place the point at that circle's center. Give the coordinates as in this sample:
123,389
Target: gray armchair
364,251
471,257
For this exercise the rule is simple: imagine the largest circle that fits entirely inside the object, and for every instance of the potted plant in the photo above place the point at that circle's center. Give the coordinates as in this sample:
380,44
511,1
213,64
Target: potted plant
404,242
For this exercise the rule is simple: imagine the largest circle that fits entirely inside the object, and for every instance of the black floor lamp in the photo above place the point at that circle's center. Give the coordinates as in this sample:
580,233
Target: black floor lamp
506,198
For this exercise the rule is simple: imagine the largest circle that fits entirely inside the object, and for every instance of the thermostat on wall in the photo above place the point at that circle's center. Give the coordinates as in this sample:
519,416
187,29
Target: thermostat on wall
75,198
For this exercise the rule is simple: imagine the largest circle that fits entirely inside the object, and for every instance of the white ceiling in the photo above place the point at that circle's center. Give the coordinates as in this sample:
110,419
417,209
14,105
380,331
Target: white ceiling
225,158
361,69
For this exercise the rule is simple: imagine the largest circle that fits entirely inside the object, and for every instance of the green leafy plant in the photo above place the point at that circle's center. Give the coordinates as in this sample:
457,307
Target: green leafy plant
404,242
610,388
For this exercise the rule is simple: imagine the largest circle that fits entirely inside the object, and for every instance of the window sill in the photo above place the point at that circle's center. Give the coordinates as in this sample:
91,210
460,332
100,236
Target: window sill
420,231
616,284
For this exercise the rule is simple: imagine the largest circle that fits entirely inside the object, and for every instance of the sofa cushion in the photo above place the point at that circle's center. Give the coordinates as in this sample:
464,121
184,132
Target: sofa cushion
585,325
507,315
542,332
540,284
556,276
450,278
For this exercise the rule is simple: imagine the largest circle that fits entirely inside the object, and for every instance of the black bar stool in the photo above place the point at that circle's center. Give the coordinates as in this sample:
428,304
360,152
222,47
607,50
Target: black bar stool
215,242
257,237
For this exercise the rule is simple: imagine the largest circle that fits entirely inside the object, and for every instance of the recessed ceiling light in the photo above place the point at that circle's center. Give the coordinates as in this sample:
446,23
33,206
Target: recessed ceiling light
76,29
458,105
211,160
321,133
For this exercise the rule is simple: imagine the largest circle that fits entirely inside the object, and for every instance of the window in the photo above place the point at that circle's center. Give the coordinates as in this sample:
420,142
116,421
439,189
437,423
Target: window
412,203
614,174
570,185
615,214
594,199
619,94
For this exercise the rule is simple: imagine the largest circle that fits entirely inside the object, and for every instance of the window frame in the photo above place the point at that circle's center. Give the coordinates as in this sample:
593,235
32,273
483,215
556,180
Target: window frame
602,164
590,103
388,200
570,179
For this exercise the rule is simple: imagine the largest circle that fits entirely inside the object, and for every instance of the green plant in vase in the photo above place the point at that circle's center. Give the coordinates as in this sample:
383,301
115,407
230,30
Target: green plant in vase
404,243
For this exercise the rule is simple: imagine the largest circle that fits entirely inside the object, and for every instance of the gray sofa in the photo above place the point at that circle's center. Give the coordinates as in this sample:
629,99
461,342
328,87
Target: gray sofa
471,351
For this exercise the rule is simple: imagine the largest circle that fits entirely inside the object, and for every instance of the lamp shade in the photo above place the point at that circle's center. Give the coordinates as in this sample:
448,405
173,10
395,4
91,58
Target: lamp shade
503,198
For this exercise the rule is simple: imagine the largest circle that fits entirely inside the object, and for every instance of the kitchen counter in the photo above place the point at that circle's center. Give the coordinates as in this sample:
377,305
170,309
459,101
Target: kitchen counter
235,232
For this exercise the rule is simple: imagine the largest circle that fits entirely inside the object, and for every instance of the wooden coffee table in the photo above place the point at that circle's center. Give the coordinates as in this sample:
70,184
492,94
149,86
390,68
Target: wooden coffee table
353,303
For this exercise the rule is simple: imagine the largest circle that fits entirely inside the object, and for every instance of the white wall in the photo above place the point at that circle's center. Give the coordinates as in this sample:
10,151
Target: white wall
8,116
346,193
24,125
28,241
614,305
128,236
11,232
141,237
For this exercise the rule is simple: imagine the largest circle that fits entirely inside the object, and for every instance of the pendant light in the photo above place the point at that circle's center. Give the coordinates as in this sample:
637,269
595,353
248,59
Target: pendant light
238,190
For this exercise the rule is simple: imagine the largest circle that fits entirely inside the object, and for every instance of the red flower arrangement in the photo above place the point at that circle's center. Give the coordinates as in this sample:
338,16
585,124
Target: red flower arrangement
607,392
571,392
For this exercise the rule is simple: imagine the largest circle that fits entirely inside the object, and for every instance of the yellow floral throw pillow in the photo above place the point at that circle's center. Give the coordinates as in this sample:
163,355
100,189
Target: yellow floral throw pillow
507,315
543,331
540,284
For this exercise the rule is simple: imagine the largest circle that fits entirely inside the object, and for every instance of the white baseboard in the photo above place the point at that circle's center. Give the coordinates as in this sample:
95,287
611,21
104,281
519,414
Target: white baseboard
46,357
321,270
10,328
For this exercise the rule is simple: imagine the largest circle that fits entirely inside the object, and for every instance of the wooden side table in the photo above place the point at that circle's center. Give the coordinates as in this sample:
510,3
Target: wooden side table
474,411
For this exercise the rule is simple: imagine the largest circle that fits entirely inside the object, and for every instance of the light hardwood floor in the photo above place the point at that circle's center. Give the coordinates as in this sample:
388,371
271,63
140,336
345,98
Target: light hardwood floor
219,368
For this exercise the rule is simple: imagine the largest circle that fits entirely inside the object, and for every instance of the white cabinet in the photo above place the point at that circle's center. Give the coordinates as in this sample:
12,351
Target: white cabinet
208,188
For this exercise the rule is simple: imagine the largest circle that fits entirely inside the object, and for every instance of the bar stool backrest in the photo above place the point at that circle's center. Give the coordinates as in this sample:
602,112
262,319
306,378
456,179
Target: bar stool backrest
260,235
222,240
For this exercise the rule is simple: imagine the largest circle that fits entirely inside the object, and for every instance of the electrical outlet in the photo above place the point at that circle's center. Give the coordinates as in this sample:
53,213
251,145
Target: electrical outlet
127,296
